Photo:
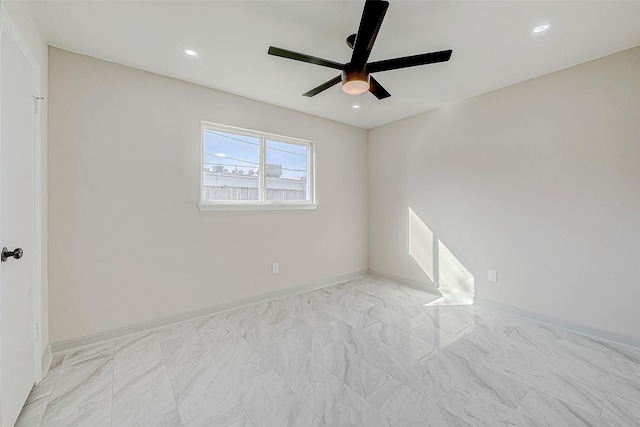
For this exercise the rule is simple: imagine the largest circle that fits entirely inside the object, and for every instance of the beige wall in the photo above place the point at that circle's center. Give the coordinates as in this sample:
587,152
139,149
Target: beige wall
540,181
127,241
21,15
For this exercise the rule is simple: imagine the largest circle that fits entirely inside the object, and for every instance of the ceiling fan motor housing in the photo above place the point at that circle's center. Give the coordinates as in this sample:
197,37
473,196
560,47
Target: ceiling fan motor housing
355,80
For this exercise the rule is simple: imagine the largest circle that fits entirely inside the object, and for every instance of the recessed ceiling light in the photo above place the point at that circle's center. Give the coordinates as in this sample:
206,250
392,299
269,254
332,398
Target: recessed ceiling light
541,28
190,52
355,107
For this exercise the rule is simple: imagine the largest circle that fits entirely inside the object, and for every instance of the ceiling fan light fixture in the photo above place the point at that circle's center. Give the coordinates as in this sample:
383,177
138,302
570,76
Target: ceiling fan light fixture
355,82
355,87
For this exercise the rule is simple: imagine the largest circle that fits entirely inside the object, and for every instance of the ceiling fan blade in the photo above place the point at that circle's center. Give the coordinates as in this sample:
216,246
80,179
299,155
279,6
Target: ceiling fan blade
372,16
323,87
409,61
289,54
377,90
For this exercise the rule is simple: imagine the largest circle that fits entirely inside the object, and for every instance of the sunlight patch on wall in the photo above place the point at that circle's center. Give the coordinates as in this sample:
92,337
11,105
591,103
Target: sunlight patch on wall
421,244
442,267
453,276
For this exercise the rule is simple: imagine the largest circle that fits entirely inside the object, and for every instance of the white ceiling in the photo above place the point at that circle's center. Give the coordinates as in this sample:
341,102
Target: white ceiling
493,45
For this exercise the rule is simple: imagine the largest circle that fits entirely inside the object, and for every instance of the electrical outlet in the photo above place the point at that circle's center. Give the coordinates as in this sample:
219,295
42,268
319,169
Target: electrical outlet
274,268
493,276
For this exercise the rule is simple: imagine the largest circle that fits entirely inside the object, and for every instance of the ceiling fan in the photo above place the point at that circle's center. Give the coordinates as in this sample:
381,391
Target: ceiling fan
356,74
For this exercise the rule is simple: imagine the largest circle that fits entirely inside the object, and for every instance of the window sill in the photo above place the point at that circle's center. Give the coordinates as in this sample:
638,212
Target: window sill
255,207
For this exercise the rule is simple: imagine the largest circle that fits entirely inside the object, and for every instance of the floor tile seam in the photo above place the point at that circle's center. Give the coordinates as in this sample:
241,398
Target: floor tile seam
563,351
533,384
591,386
68,352
452,414
451,314
510,408
531,347
604,402
359,356
547,361
266,321
299,398
606,346
278,333
347,386
154,384
383,369
393,420
588,363
445,395
45,409
564,400
303,399
467,381
426,324
202,338
510,376
357,394
321,308
234,330
360,299
398,349
625,399
436,403
334,319
175,397
394,376
48,396
461,330
176,337
635,369
85,362
85,408
409,319
311,353
480,315
435,348
222,376
518,408
402,382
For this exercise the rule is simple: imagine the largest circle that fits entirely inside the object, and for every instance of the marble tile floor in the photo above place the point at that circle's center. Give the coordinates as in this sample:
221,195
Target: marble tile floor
369,352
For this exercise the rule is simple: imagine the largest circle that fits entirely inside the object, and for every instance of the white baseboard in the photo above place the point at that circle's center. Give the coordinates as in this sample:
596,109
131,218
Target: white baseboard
219,308
428,287
591,332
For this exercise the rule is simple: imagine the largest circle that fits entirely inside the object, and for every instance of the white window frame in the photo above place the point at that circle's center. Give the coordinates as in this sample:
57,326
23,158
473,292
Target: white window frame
262,203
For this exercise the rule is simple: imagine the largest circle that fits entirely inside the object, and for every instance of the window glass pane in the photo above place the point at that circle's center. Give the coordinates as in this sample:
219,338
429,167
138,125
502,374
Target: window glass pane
286,171
230,166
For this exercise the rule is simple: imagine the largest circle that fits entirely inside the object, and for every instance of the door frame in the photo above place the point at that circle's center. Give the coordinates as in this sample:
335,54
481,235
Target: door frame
7,23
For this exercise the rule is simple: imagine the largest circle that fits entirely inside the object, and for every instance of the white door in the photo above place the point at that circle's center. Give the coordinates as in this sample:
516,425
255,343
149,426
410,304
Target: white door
17,204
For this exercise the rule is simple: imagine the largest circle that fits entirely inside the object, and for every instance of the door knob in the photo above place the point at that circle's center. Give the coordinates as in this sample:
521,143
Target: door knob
16,253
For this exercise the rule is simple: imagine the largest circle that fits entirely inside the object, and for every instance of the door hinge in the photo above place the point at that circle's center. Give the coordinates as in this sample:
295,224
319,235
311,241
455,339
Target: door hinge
36,331
36,104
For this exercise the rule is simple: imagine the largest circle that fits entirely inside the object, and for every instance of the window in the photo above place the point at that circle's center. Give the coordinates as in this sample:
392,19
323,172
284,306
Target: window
245,169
